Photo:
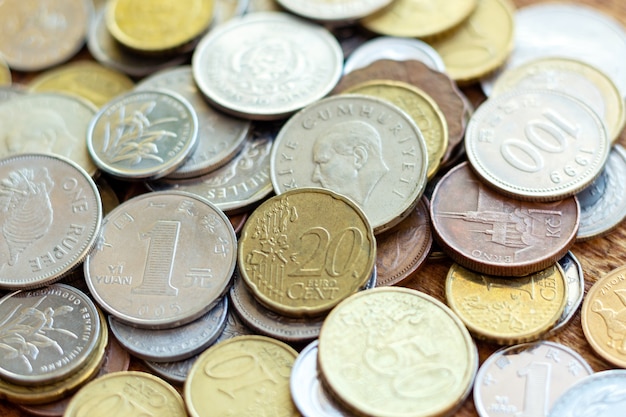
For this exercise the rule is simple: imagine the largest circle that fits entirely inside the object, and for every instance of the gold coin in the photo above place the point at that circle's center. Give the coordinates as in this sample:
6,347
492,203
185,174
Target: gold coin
602,314
303,251
5,72
126,394
88,80
157,25
419,18
46,393
243,376
507,310
420,106
394,351
481,43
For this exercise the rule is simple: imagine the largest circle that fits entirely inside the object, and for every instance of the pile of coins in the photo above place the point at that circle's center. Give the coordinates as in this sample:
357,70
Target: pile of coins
244,196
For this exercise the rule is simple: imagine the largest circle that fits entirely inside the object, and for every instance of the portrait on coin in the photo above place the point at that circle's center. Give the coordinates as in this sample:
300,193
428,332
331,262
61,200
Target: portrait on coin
348,159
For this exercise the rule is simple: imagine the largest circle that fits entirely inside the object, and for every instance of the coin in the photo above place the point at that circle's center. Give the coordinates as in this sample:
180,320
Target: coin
490,233
51,215
143,134
337,144
242,374
540,145
5,72
339,11
395,351
163,260
575,283
507,310
297,263
266,65
10,92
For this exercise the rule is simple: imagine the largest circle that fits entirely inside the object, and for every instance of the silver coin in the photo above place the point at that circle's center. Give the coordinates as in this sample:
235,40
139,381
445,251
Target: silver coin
143,134
224,10
603,203
575,289
337,11
527,379
266,65
163,259
567,30
47,334
536,145
307,391
9,92
601,394
50,216
220,137
398,49
239,184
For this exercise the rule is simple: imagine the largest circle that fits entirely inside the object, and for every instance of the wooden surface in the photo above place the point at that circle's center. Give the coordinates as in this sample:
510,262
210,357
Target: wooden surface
597,256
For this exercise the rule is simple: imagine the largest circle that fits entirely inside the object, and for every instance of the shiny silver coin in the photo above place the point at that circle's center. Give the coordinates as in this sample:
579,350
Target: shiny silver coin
575,289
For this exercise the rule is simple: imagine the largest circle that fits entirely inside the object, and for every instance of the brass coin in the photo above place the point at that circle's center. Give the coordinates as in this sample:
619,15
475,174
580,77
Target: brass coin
245,375
5,72
302,252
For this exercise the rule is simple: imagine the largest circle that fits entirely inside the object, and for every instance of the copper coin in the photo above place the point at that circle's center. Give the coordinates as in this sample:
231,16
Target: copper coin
401,250
493,234
238,220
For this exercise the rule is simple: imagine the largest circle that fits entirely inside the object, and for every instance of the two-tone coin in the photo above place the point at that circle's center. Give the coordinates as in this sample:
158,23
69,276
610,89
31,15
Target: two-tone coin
575,283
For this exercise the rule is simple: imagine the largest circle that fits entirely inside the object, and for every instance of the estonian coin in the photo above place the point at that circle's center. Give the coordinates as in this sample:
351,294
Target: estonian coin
220,136
337,144
5,72
175,344
163,259
143,134
159,26
35,37
336,11
242,182
126,394
422,109
395,351
507,310
603,203
575,283
49,123
488,232
419,19
480,44
527,379
392,47
259,385
539,145
50,213
298,263
574,77
601,316
267,65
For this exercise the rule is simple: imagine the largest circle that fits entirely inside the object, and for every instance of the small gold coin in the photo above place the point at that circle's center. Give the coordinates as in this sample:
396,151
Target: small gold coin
481,43
419,18
507,310
602,314
394,351
421,107
84,79
302,252
5,72
126,394
157,25
243,376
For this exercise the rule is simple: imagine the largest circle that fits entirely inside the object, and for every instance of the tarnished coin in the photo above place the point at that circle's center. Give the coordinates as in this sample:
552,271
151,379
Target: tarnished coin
395,351
600,316
127,393
299,263
266,65
575,283
527,379
163,259
143,135
539,145
175,344
50,123
259,381
34,37
491,233
50,212
337,143
507,310
337,11
5,72
220,136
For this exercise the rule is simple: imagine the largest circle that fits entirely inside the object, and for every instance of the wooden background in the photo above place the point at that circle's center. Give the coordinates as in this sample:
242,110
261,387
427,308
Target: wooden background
597,256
